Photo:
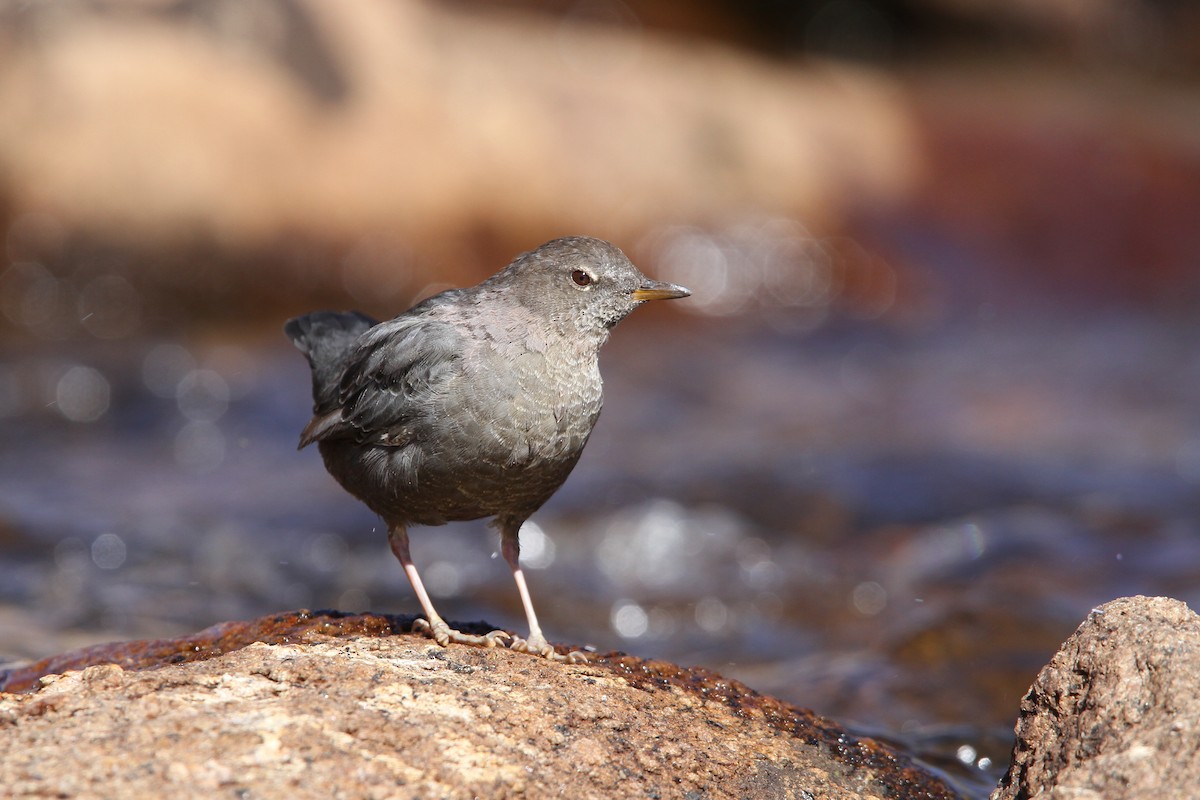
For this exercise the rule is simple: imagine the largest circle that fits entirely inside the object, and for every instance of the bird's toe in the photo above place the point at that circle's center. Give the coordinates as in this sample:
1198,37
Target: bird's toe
444,635
437,630
536,645
497,638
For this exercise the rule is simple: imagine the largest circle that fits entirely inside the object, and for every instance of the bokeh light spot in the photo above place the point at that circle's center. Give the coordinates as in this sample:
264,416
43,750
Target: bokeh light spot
712,615
82,394
443,579
869,598
108,551
629,620
537,549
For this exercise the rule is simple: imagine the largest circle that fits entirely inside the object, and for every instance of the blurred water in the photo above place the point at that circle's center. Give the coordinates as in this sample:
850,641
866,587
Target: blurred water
893,528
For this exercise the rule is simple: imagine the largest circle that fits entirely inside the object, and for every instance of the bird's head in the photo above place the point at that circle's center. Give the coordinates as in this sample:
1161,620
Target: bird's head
578,282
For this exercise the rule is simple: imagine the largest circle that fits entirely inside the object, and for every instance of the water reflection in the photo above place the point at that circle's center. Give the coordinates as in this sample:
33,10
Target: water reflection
663,545
760,571
33,298
70,555
199,447
202,395
165,366
109,307
327,552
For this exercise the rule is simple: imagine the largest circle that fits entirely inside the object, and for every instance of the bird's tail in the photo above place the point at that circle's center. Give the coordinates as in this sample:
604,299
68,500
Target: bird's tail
326,338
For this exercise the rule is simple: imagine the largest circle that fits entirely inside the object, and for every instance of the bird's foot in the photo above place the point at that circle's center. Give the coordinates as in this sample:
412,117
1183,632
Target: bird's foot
536,645
443,634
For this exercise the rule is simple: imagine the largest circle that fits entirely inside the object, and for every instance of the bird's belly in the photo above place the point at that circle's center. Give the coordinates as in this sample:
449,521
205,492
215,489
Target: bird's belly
466,471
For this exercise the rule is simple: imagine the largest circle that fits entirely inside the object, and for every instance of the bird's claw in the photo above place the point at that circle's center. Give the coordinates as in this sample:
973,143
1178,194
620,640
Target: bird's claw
535,645
443,634
538,646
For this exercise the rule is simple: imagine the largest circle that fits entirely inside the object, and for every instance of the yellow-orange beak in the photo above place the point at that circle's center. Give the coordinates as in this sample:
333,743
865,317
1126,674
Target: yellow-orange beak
658,290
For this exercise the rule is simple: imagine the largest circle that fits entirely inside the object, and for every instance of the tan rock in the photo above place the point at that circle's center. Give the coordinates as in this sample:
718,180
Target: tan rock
395,716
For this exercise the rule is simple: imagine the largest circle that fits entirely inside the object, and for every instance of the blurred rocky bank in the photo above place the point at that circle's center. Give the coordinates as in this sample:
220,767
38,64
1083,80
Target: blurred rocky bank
227,159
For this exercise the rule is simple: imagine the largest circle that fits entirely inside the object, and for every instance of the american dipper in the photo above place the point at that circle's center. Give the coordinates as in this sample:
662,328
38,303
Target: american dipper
474,403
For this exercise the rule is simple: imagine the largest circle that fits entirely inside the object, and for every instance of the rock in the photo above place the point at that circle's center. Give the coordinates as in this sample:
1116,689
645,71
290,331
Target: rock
414,123
335,705
1115,714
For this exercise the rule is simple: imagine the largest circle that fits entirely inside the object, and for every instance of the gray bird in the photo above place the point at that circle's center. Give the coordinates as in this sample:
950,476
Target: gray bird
474,403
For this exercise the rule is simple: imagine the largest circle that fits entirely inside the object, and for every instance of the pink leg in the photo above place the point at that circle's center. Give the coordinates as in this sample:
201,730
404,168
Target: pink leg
510,548
433,624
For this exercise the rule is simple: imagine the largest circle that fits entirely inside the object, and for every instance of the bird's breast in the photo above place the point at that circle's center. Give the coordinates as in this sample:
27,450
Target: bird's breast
553,411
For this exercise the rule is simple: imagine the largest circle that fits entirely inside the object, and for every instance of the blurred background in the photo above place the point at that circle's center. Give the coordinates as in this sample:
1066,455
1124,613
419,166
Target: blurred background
935,396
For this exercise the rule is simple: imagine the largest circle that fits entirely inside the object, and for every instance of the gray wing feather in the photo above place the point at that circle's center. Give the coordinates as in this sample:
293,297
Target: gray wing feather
390,382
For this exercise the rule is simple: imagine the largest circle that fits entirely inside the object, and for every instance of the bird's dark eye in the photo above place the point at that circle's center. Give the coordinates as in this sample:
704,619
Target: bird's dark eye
581,278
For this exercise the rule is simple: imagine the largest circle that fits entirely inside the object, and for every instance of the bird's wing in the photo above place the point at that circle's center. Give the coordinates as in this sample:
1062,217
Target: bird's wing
390,381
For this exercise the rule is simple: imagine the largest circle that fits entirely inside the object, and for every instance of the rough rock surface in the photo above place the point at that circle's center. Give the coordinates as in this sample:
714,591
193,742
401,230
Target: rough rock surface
332,708
1115,713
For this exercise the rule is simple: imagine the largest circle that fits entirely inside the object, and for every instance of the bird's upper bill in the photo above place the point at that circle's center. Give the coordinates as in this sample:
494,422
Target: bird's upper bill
658,290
